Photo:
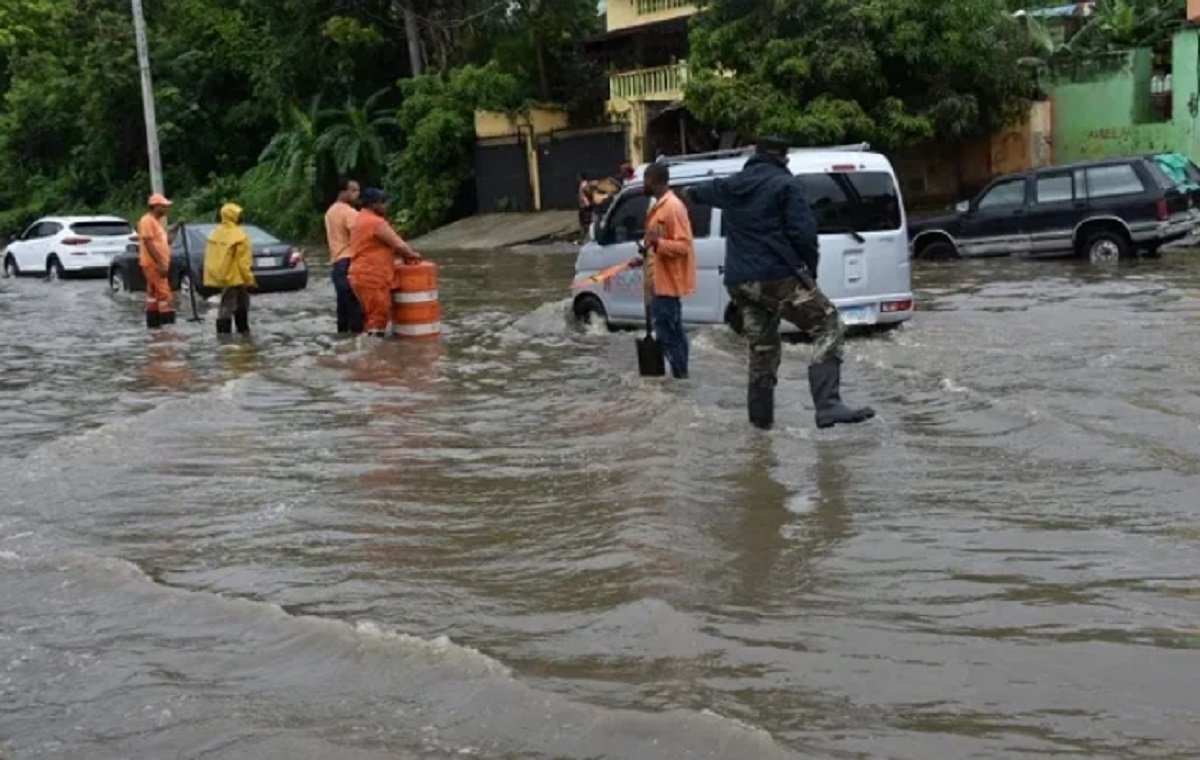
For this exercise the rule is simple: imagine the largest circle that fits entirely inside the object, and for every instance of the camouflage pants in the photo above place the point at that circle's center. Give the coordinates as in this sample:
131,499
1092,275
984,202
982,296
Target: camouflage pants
764,303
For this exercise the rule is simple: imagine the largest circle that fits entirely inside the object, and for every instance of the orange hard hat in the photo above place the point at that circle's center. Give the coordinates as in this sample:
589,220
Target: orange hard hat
158,199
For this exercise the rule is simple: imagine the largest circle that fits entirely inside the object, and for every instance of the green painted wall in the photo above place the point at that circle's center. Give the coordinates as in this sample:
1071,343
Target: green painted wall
1104,114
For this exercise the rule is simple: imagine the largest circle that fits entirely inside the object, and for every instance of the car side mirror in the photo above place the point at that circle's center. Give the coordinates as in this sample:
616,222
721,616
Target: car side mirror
962,207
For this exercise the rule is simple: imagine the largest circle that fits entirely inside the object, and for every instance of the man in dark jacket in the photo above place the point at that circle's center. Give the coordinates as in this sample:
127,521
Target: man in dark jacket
771,260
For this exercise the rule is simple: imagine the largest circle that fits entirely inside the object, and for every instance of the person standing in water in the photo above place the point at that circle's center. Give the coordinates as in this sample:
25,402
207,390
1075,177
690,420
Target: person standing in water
154,257
228,261
672,274
771,263
339,223
374,246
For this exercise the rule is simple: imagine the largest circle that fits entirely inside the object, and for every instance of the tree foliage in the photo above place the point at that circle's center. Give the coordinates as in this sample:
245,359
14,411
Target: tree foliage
891,72
266,102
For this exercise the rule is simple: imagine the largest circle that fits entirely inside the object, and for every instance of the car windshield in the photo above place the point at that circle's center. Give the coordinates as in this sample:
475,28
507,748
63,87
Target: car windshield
102,229
853,201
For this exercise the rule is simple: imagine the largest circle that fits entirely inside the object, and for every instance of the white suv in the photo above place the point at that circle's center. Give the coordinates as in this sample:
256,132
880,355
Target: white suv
863,240
57,246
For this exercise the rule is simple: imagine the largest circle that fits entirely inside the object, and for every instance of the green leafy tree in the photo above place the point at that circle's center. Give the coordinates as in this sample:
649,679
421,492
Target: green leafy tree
892,72
357,135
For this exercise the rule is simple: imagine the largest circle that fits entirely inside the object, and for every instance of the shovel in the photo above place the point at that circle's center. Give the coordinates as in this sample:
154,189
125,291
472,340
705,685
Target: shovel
187,262
649,350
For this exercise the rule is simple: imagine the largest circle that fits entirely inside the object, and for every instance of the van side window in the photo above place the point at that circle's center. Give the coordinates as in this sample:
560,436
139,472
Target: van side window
861,201
1111,181
627,222
700,216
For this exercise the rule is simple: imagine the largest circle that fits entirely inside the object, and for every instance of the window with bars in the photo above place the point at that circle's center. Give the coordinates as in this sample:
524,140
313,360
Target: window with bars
646,7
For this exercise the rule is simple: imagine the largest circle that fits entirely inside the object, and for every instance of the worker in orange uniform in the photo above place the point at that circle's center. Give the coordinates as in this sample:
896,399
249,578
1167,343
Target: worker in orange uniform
671,250
374,246
154,256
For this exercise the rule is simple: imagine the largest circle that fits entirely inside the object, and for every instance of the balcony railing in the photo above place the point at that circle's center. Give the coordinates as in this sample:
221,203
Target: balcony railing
649,84
647,7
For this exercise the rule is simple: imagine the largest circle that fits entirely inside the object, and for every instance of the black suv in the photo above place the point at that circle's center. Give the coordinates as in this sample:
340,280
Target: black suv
1101,210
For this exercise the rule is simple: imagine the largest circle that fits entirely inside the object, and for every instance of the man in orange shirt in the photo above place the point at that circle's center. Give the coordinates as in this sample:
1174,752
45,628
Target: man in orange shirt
374,246
672,270
339,223
154,257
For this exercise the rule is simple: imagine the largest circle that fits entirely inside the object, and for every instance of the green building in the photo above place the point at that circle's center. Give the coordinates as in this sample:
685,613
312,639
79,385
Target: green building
1130,102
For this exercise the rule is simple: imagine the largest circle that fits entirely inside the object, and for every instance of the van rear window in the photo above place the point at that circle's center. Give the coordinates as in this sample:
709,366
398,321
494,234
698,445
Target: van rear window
860,201
102,229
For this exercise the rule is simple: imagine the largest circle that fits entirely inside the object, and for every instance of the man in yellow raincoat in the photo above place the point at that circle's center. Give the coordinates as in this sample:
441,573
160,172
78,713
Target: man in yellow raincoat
227,266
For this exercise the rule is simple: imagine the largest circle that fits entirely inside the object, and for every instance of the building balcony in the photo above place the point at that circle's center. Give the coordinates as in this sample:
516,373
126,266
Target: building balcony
658,83
628,13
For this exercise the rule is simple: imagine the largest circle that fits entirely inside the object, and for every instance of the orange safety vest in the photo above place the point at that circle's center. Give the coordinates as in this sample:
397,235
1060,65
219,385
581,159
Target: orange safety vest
372,261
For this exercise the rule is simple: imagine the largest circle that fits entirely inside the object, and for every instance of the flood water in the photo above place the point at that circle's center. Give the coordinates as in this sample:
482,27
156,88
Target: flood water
508,545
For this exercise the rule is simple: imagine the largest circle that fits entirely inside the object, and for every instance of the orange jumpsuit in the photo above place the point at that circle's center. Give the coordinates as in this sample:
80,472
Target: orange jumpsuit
160,301
373,246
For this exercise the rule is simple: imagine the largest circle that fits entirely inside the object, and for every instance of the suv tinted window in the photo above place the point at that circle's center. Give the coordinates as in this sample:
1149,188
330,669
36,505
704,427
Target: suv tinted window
102,229
1055,188
860,201
1110,181
1007,194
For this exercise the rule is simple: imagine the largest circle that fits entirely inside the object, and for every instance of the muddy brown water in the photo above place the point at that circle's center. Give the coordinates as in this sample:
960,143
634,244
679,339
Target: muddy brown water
508,545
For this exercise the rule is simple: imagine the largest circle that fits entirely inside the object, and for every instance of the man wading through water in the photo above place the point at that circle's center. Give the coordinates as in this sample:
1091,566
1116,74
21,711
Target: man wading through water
154,257
672,265
771,263
339,223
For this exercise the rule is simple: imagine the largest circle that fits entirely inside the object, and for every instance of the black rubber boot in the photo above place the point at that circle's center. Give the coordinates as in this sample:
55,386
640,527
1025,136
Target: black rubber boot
224,326
241,318
825,380
153,320
760,402
168,318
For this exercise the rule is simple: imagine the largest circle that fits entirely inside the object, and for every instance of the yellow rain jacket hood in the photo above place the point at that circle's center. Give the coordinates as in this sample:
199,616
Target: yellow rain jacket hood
228,255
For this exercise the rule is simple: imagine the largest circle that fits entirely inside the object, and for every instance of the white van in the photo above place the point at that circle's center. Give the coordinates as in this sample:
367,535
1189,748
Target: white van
864,240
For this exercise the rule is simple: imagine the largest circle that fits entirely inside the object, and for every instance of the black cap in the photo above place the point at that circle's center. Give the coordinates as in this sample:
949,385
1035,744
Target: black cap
775,146
373,195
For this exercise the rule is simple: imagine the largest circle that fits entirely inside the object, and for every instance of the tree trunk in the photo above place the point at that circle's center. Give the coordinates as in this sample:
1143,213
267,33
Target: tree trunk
413,33
543,75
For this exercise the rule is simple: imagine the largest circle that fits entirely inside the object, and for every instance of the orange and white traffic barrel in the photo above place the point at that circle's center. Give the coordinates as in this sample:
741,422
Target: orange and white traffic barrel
416,313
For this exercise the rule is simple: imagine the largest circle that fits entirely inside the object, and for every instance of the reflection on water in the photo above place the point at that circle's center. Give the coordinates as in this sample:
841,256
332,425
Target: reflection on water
507,544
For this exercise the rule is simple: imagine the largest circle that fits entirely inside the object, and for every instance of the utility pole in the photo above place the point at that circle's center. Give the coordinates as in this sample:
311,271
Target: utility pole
412,34
143,54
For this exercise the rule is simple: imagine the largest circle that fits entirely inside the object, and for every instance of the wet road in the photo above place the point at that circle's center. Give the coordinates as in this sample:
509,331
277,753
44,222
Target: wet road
508,545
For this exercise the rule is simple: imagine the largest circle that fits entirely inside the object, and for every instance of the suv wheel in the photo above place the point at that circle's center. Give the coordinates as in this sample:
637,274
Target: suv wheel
938,250
54,268
117,282
589,311
10,267
1105,247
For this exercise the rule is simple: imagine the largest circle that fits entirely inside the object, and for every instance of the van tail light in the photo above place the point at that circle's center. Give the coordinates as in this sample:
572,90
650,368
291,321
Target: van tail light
889,307
76,241
295,256
1161,209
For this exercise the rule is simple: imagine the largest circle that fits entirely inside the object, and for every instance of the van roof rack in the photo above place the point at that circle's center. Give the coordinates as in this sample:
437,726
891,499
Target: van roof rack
685,158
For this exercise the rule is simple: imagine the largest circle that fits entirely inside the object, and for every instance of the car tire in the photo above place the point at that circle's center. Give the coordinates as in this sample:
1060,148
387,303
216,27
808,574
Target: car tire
185,285
939,250
10,267
588,310
1105,246
54,268
117,282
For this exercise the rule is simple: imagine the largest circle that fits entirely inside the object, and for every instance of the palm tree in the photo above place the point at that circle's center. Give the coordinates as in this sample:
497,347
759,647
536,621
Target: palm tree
355,139
294,152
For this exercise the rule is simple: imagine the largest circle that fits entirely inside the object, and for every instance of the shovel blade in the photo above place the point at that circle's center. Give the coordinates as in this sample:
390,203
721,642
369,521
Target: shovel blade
650,357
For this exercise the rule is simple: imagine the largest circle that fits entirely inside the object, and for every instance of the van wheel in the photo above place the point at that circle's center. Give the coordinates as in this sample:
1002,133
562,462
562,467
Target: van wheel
1105,247
938,250
589,310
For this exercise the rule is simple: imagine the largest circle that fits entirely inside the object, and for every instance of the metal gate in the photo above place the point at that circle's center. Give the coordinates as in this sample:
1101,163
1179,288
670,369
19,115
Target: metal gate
502,175
564,154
